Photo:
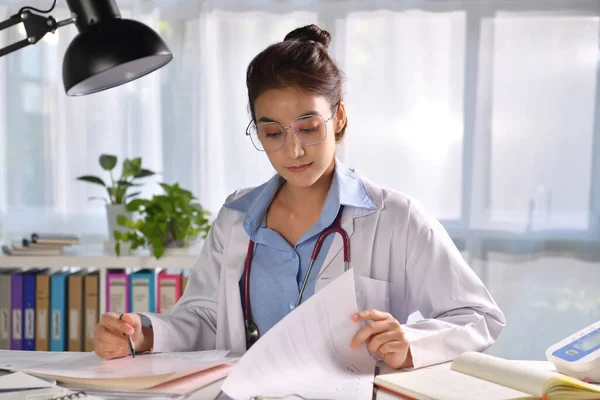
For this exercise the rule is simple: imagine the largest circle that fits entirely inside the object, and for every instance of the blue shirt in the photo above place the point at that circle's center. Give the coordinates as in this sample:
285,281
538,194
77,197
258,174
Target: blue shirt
278,269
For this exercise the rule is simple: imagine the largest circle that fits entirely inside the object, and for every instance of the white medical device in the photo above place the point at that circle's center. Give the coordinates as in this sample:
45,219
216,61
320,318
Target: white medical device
578,355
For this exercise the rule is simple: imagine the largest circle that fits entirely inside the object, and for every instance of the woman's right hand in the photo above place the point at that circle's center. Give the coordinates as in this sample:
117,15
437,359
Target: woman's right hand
109,335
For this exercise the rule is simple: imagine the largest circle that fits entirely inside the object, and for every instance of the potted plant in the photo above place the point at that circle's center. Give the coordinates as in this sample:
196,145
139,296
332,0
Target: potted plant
167,221
119,189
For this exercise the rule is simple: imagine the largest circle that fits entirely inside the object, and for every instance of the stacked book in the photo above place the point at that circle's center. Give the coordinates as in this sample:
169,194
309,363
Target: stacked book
41,245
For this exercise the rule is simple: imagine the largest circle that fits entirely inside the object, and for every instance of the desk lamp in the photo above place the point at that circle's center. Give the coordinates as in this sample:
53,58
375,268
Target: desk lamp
107,52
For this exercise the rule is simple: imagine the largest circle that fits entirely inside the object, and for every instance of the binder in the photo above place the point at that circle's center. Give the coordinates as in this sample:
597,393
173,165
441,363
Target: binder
16,338
142,292
28,317
58,311
75,316
42,305
91,305
5,308
169,291
117,292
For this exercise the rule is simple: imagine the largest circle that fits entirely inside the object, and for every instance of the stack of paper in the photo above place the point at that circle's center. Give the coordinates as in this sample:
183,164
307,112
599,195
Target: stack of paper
308,352
169,373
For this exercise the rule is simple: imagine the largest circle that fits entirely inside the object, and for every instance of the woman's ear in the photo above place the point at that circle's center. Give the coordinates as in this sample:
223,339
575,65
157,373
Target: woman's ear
340,117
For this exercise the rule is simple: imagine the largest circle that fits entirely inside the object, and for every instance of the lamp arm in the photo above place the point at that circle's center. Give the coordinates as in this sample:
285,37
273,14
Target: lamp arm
36,26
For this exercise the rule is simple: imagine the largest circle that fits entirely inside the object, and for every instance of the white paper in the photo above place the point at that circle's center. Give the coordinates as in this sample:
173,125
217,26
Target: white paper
144,365
19,381
18,360
308,352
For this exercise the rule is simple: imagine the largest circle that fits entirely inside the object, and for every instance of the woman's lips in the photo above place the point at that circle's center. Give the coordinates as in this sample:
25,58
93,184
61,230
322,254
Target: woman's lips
301,168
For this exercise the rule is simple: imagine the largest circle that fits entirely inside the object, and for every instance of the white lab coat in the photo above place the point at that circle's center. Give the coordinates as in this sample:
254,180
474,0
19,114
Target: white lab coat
403,259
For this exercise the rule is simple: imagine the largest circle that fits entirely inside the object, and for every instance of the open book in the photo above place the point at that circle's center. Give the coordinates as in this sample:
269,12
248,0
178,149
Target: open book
475,376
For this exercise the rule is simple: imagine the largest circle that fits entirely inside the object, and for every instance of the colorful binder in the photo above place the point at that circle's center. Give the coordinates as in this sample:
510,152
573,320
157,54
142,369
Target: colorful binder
58,311
169,291
16,339
117,292
5,308
28,316
91,306
75,317
42,305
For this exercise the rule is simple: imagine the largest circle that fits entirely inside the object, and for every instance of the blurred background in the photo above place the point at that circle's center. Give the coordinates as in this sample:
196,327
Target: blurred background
485,111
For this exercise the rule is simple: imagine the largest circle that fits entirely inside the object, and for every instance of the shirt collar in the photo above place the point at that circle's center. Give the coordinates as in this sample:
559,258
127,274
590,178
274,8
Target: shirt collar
346,189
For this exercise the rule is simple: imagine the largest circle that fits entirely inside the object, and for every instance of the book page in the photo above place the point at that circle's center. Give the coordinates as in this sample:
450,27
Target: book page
513,374
440,382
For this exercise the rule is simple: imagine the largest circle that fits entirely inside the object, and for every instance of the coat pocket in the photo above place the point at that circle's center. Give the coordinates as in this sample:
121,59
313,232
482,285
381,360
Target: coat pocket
372,294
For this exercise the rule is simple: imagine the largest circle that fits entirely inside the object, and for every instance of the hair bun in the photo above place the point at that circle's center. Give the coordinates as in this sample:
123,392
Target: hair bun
310,33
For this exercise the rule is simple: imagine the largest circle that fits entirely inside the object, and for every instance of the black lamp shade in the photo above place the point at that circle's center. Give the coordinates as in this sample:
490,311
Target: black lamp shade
111,53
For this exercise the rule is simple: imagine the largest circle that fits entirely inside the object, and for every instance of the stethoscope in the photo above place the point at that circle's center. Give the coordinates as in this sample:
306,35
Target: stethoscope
252,333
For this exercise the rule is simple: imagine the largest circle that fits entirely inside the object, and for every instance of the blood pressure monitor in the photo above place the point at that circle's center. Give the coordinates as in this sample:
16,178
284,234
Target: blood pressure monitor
578,355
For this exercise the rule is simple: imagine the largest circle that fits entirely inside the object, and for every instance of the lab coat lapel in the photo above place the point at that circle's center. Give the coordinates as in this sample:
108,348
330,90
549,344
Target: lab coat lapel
234,269
349,217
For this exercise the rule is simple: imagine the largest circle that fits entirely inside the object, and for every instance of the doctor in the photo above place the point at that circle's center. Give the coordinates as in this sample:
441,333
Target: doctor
403,259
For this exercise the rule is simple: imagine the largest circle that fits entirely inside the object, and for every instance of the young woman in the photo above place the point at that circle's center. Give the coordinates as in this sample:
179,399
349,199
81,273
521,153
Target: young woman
256,260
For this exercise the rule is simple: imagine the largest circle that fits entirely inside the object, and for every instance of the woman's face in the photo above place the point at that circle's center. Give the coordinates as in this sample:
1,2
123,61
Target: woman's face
299,164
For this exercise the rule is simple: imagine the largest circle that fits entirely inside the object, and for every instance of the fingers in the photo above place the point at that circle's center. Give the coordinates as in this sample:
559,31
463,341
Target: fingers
395,346
390,341
133,320
371,315
109,352
112,322
110,337
374,328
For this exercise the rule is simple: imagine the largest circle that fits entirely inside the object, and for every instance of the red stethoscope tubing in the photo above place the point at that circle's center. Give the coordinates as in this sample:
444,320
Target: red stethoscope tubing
335,227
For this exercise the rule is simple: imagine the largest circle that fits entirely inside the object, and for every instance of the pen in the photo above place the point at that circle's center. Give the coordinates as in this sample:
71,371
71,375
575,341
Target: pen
128,339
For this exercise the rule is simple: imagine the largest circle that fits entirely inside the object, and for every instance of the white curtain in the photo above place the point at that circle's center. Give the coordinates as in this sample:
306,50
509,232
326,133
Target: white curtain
486,112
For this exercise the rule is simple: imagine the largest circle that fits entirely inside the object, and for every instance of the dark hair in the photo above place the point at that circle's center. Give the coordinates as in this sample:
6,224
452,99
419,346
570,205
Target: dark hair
300,61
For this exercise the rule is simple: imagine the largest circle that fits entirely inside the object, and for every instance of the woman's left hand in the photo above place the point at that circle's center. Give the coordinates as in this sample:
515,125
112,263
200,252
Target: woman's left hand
384,338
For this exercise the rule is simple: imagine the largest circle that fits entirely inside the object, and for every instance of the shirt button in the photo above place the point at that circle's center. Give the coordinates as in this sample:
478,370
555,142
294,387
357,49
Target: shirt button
292,306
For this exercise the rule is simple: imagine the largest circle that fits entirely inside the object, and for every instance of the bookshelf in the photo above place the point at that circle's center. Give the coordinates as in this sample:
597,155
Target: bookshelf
95,256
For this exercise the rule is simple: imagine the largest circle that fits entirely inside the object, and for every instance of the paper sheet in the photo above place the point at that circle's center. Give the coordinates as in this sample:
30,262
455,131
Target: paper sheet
308,352
20,381
91,366
18,360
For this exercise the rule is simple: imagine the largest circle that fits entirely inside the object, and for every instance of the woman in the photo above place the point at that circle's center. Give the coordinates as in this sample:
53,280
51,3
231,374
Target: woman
402,258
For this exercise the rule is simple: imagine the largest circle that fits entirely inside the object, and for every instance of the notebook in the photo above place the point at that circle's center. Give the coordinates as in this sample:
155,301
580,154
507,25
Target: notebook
476,376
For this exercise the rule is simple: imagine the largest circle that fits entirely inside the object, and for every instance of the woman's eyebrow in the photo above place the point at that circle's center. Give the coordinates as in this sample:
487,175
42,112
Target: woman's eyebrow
306,114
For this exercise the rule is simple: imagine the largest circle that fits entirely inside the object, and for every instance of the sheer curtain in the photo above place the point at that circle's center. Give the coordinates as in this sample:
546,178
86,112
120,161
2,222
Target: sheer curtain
486,112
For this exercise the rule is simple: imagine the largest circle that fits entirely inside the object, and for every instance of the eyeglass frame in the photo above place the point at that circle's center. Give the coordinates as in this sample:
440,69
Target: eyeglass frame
284,128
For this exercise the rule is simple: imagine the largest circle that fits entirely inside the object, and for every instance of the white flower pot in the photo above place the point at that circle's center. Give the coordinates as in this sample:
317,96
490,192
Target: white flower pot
112,211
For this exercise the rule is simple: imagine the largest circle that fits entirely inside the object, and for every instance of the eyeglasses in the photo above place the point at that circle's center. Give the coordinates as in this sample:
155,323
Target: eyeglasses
270,136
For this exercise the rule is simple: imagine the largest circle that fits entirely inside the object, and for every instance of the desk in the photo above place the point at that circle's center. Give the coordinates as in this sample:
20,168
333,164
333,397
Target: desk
211,391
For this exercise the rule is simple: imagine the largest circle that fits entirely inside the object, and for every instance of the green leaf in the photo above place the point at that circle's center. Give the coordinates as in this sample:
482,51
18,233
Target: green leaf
121,220
136,204
118,234
130,195
108,162
91,179
158,251
144,173
131,168
118,248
